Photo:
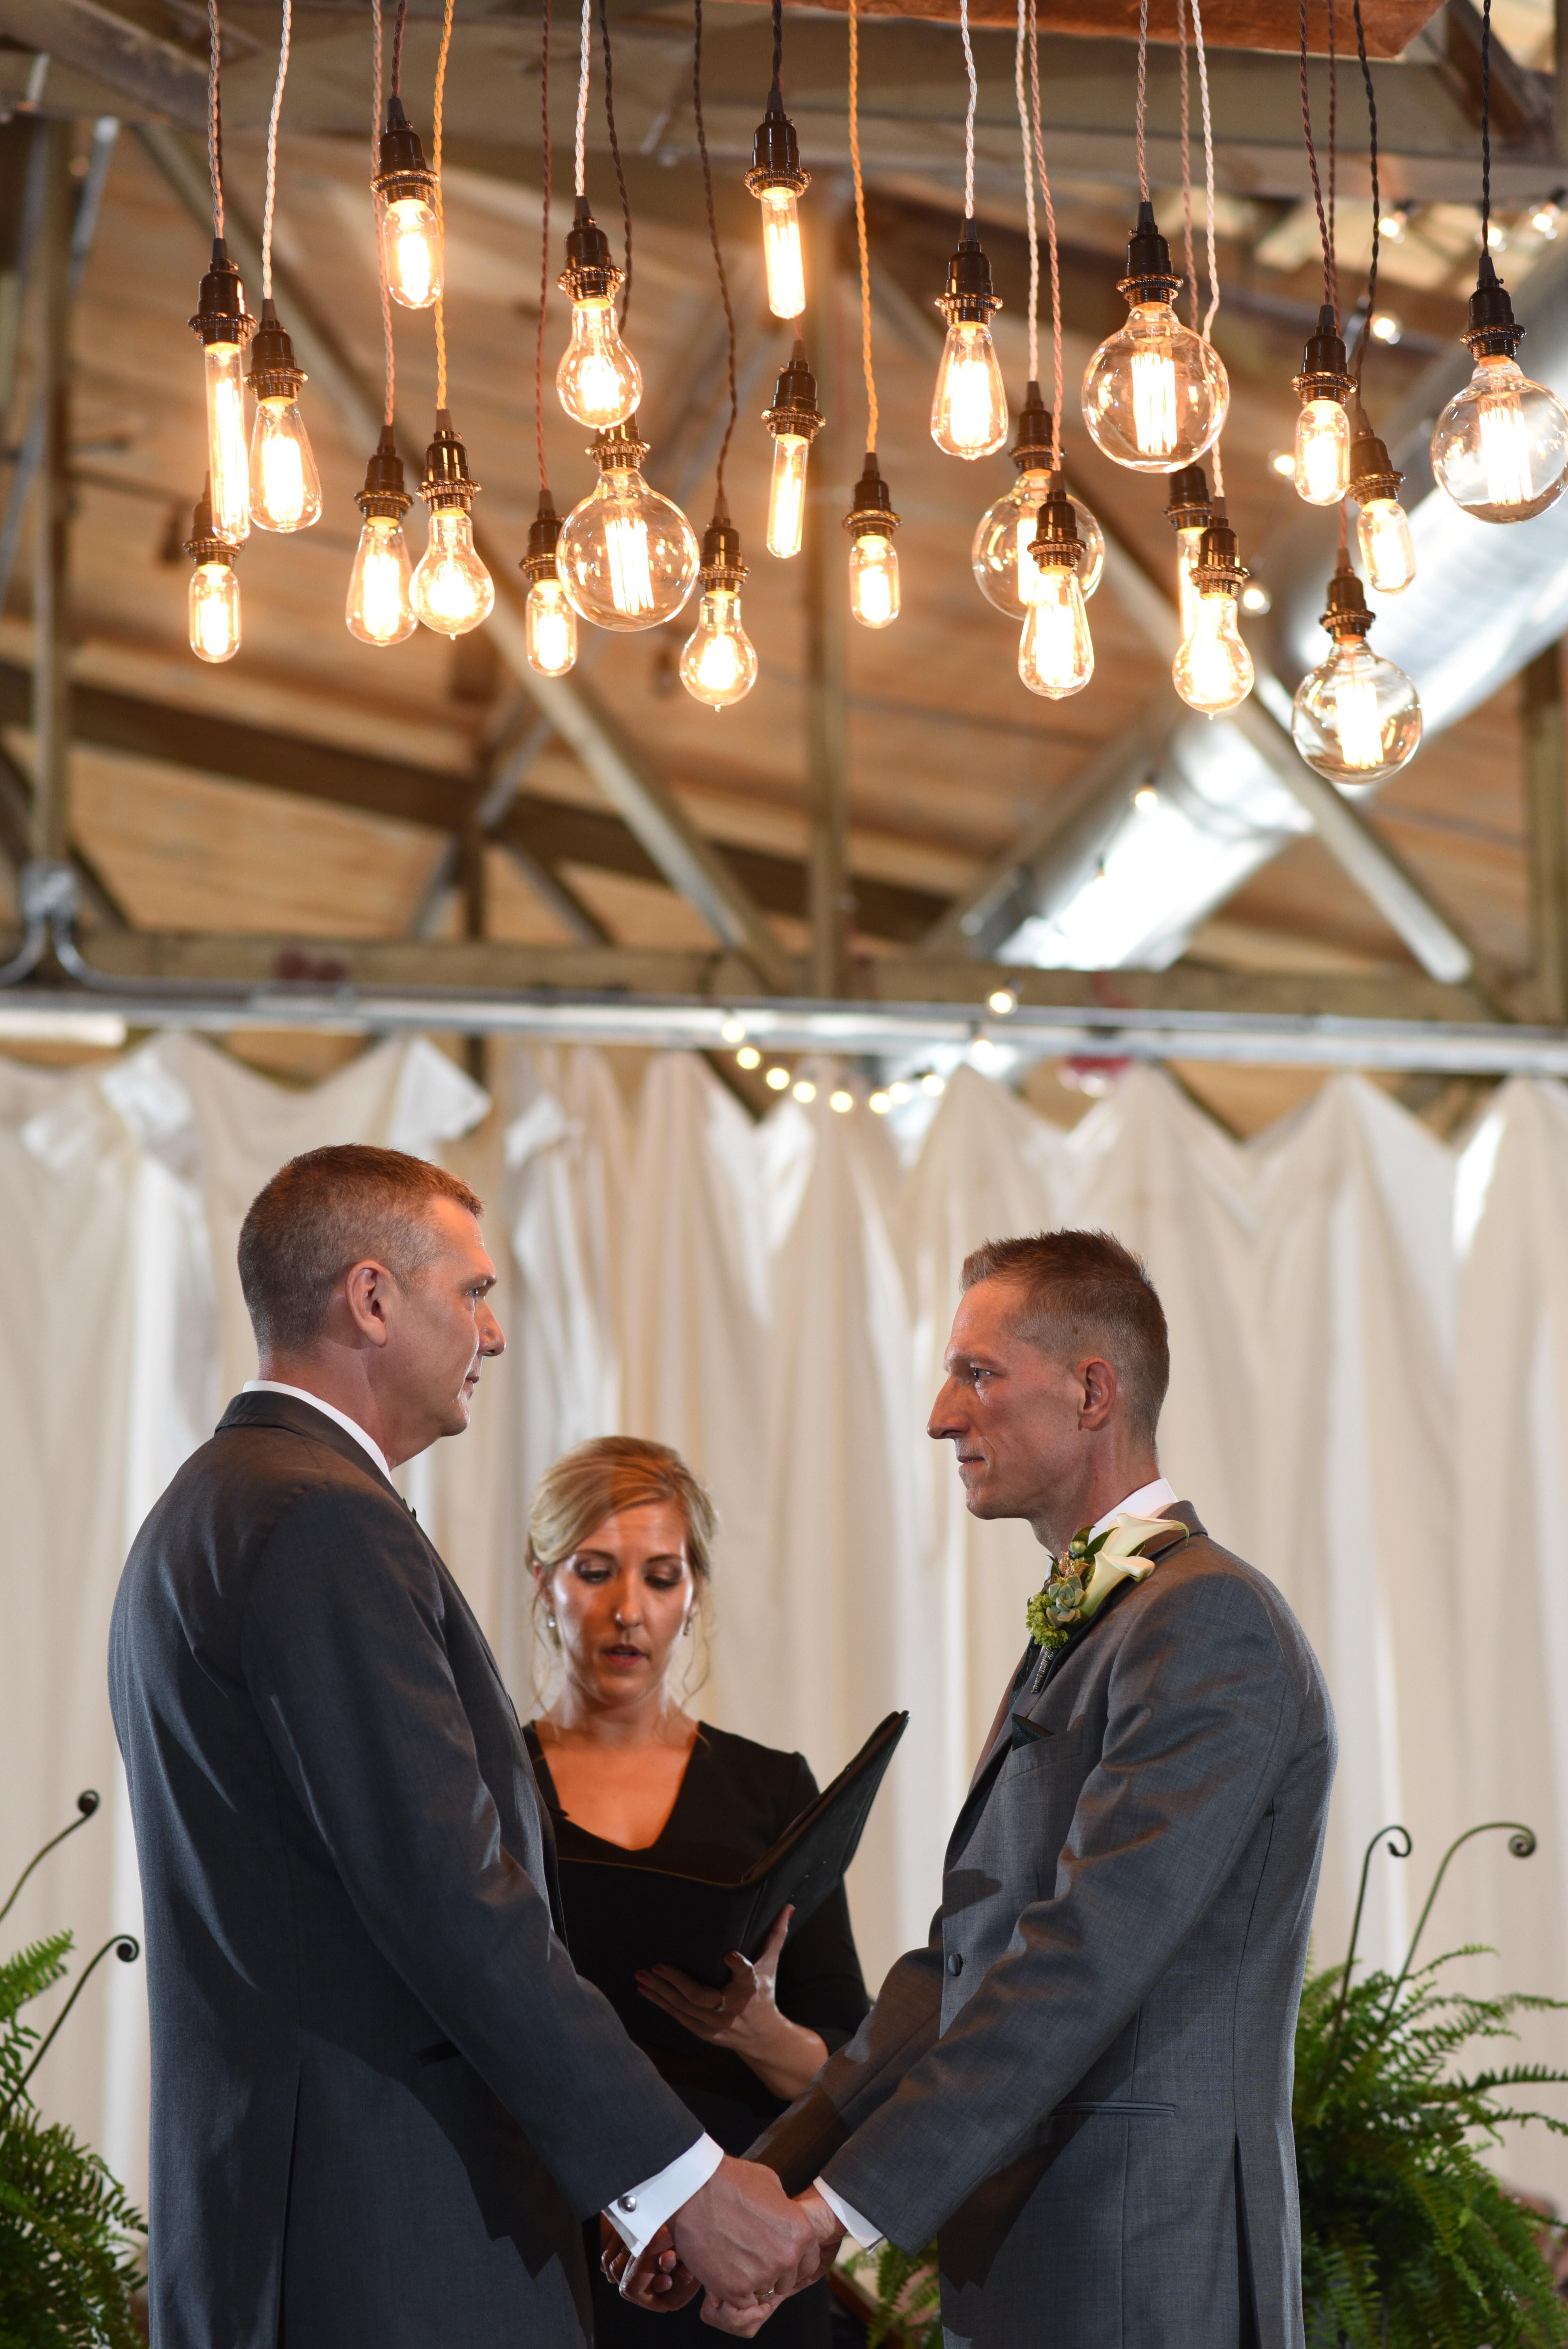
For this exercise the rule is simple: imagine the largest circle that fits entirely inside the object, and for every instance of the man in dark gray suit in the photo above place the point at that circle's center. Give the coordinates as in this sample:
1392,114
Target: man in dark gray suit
1082,2086
382,2101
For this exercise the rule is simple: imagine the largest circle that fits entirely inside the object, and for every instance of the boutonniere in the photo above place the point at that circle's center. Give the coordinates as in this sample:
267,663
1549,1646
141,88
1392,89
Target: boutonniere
1083,1578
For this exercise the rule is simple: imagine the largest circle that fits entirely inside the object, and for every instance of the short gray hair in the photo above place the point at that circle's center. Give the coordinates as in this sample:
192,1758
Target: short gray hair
1084,1288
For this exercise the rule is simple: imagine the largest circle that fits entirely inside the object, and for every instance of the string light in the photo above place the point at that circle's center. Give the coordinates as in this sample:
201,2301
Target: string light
1357,717
870,521
778,182
224,326
214,598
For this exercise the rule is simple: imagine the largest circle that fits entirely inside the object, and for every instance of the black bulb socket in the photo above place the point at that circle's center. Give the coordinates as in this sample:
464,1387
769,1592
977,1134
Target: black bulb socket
1149,277
721,563
384,494
1493,332
1371,473
776,153
448,481
1187,502
1346,616
204,545
794,409
590,275
1034,451
273,372
1056,545
401,170
872,509
968,297
619,448
1218,565
543,538
221,314
1325,370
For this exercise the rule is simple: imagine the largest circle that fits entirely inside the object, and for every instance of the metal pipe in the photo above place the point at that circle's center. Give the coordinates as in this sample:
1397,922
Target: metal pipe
51,534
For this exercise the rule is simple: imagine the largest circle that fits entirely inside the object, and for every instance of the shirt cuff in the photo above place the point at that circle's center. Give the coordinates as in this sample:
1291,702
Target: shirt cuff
638,2214
864,2230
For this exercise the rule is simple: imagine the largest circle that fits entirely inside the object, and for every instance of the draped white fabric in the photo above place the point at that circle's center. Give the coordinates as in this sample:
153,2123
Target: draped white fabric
1369,1395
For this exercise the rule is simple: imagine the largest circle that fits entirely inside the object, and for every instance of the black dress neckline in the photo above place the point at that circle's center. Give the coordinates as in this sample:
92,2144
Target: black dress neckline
629,1853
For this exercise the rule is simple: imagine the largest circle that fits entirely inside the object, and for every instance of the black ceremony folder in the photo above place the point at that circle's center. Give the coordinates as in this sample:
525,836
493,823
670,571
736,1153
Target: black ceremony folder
668,1917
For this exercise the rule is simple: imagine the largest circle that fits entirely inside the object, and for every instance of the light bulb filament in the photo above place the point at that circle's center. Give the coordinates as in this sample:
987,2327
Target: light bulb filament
1360,727
781,253
626,548
1155,400
1505,448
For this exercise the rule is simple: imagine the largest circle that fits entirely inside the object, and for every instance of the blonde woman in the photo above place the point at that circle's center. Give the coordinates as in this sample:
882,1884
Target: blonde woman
620,1537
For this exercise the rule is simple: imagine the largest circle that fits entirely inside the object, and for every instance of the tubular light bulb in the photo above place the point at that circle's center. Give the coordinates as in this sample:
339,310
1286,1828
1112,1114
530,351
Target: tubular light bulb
627,557
1383,534
552,629
379,609
969,408
1056,653
452,592
1357,717
214,612
411,250
227,457
1322,452
1213,670
873,579
718,661
285,486
781,253
599,381
786,494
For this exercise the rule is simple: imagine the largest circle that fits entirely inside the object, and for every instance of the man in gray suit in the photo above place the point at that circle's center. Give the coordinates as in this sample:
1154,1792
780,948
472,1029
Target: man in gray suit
382,2101
1082,2086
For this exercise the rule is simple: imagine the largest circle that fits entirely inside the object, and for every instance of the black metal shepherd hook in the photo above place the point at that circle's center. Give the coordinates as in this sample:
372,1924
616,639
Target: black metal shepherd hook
87,1802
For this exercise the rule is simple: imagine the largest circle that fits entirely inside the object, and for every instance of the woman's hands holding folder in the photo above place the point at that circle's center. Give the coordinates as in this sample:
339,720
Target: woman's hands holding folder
744,2017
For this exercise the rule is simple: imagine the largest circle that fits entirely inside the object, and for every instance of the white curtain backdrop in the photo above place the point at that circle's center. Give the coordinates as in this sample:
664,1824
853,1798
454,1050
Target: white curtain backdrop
1369,1398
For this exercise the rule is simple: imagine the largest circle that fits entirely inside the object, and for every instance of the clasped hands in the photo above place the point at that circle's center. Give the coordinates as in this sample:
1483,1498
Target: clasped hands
741,2240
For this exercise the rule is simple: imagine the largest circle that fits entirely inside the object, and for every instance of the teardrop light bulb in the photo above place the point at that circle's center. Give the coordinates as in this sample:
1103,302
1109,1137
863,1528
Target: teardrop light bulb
1321,424
1056,656
452,591
969,405
718,662
1213,671
285,486
408,215
599,381
380,610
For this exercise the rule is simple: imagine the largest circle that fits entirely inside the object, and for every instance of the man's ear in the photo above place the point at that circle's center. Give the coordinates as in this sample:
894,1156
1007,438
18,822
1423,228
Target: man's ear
365,1291
1099,1387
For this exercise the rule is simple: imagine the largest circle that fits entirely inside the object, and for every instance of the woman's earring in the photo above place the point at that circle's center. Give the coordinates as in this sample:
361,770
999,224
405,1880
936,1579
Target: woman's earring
550,1622
685,1626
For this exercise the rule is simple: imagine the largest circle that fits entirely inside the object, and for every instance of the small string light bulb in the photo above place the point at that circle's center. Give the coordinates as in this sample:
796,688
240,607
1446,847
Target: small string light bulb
874,559
1499,447
718,660
777,180
379,609
1055,652
1382,526
628,558
599,381
214,601
407,214
285,486
1212,672
794,422
1187,510
1357,717
969,407
1005,570
1154,394
451,590
224,326
550,621
1323,427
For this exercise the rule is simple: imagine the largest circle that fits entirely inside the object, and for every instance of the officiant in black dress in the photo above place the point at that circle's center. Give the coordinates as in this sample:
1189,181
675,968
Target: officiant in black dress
620,1537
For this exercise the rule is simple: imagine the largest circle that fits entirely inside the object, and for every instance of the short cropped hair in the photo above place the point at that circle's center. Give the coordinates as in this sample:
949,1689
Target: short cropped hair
1084,1290
602,1478
322,1214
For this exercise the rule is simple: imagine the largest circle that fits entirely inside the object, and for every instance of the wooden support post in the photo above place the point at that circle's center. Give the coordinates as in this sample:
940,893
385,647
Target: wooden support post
51,518
471,883
825,555
1546,822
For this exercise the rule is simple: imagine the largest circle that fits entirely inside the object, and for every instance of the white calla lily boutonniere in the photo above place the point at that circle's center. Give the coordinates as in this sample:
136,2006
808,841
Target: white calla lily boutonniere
1083,1578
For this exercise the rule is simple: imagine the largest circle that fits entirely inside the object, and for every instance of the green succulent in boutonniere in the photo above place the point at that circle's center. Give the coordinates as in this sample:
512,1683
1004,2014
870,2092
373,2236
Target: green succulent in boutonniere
1083,1578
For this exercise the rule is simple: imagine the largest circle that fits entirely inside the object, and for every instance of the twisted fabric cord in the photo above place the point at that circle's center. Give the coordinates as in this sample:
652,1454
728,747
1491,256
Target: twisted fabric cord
1050,237
1142,114
441,212
273,149
619,174
1187,164
1311,167
214,118
1208,199
1333,158
713,237
778,41
584,62
861,230
969,115
374,167
1370,296
1028,198
1486,126
543,250
398,22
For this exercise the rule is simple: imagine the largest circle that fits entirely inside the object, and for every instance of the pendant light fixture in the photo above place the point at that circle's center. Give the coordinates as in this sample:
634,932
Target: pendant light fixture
379,610
627,557
794,422
224,326
969,405
214,597
1004,566
1212,672
1323,385
778,182
1187,510
875,592
599,380
1357,719
1382,528
451,591
407,194
550,622
285,486
1056,656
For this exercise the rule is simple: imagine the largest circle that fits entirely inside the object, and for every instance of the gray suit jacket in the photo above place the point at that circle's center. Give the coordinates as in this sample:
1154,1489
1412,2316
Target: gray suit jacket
1085,2081
382,2100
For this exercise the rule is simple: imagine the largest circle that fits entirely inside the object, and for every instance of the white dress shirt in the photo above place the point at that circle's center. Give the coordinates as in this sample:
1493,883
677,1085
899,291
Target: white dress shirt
303,1394
1147,1502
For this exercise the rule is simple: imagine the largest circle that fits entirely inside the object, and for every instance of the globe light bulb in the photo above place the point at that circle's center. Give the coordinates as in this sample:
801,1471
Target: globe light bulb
1499,449
794,422
969,405
224,326
599,381
1004,571
285,486
1323,427
1154,394
213,606
451,590
1357,717
551,624
627,557
874,560
1056,653
379,610
1213,671
408,215
1382,530
777,180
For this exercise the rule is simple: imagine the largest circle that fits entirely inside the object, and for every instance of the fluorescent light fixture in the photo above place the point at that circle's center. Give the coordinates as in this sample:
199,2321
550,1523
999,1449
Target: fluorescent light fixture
19,1025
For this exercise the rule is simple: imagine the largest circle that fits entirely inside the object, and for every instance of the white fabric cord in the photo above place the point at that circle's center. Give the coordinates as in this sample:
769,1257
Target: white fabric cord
969,115
1028,197
1050,235
273,142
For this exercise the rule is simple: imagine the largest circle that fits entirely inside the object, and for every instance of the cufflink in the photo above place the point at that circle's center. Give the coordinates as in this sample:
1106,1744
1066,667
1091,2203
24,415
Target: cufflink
627,2202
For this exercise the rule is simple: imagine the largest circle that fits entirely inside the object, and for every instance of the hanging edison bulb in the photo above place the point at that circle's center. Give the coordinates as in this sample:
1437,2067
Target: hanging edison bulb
969,407
778,182
599,381
628,556
550,622
224,326
1154,394
451,591
1357,717
1056,653
794,422
874,559
1005,569
1323,427
285,486
1500,447
214,598
1213,671
379,610
1382,527
718,660
1187,511
407,214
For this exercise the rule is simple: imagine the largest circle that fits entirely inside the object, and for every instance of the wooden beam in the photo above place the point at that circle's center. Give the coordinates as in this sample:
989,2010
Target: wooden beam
1390,25
1546,815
